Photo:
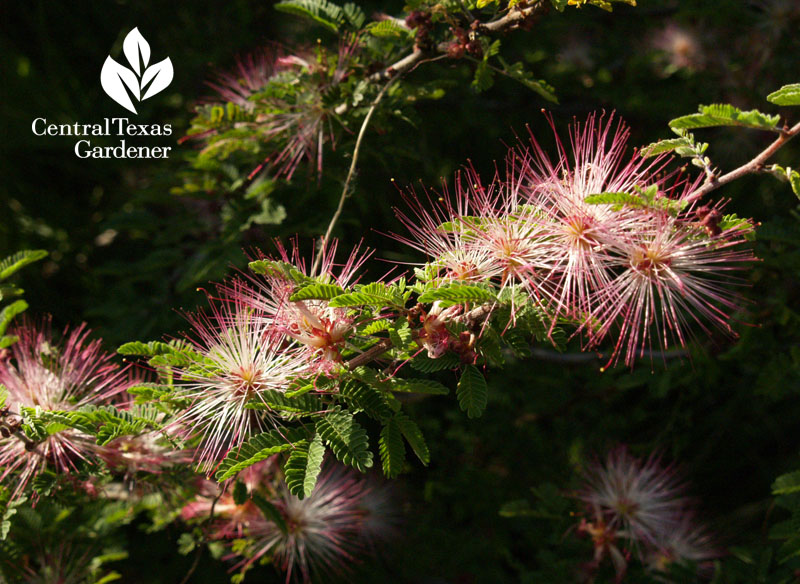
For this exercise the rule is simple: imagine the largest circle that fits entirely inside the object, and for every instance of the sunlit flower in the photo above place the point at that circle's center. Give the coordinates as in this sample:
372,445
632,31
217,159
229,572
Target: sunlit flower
54,376
577,237
672,275
322,330
439,228
239,362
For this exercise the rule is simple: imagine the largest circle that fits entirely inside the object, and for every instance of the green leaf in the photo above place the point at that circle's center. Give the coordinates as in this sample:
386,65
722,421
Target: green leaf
387,29
484,77
322,12
354,15
786,484
425,364
375,294
19,260
726,115
458,293
346,438
9,312
361,396
426,386
413,436
786,95
279,269
316,292
665,146
402,336
256,449
239,493
303,466
391,449
472,392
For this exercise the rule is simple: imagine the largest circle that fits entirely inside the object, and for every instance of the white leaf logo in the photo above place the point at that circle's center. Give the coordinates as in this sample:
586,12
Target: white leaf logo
140,81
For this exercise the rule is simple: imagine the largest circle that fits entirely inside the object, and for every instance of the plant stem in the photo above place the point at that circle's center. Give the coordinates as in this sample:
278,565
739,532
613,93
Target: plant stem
350,174
372,353
755,165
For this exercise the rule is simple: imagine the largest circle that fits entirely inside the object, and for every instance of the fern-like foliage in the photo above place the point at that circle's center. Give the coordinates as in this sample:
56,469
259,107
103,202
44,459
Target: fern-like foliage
303,466
346,438
472,392
13,263
256,449
327,14
316,291
458,293
786,95
391,448
723,114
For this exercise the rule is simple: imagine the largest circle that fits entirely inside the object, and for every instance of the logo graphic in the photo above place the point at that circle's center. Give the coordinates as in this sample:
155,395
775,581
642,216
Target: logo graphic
140,81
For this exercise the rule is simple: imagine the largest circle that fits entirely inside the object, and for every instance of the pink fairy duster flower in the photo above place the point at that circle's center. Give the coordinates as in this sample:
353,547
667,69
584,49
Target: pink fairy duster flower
576,236
146,452
238,361
54,375
324,532
671,274
606,544
638,500
295,118
434,335
437,229
251,75
322,330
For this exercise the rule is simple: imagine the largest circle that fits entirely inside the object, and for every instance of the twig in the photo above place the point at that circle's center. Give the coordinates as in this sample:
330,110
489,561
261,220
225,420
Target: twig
755,165
372,353
507,22
350,174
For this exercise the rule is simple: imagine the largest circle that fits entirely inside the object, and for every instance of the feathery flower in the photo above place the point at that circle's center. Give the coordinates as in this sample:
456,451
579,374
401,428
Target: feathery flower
321,330
640,500
293,117
671,274
324,531
688,541
440,229
55,376
239,361
579,237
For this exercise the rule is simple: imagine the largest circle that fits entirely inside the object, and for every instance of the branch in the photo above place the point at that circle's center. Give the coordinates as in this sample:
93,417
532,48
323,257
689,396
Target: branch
512,19
754,166
373,352
350,173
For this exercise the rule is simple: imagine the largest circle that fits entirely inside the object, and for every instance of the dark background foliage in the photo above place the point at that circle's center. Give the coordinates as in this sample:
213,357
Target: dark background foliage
126,254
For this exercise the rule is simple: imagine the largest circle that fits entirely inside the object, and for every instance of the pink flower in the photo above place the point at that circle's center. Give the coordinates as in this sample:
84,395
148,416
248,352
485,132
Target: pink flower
285,99
688,541
239,361
639,500
671,275
55,376
322,330
579,237
439,228
324,532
